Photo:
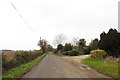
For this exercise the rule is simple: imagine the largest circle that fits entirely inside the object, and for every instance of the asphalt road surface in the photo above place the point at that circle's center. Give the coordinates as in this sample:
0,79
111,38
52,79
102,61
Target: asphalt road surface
52,66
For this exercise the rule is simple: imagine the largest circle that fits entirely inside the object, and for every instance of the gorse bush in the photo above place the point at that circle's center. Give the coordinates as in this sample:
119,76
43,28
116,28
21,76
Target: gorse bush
20,57
98,54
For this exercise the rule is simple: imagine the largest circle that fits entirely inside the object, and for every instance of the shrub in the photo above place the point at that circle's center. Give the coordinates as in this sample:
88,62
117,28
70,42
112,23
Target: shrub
65,53
59,47
20,57
110,42
98,54
81,53
74,52
87,50
67,47
4,63
7,64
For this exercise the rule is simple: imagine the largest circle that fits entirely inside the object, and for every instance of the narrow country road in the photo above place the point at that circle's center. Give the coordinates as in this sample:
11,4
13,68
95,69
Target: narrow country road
52,66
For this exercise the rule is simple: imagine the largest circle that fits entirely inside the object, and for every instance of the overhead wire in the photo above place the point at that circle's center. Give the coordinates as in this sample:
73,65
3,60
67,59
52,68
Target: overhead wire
21,16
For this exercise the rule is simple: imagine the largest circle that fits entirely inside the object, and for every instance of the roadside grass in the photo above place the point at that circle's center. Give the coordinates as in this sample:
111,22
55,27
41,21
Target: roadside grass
19,71
106,67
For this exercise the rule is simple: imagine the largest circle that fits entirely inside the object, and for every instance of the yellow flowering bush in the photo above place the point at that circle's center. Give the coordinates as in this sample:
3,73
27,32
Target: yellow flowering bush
98,54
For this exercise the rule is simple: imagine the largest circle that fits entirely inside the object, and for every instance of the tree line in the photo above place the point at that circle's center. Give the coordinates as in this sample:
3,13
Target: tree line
110,42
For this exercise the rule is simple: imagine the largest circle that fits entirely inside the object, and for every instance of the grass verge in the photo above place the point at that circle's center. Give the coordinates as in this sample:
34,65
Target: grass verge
19,71
106,67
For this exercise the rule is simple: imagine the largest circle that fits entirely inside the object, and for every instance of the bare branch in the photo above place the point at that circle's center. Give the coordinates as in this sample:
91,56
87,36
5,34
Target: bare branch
59,39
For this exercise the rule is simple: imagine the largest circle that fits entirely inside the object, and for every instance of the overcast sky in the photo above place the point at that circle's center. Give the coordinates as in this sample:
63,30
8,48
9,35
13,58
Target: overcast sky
47,18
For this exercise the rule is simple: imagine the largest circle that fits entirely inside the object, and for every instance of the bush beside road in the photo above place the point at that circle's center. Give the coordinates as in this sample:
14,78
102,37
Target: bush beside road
19,71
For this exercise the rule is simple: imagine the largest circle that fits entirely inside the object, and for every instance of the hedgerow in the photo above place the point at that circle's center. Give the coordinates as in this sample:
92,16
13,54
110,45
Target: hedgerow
74,52
20,57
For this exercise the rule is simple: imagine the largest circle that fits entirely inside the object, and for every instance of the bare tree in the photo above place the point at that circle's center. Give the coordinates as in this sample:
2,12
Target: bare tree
59,39
75,41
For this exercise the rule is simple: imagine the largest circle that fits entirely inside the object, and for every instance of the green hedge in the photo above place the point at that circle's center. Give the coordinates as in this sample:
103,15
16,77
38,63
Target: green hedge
74,52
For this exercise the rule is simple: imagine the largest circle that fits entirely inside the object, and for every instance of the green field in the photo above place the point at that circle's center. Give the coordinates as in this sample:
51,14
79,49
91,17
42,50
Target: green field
106,67
19,71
